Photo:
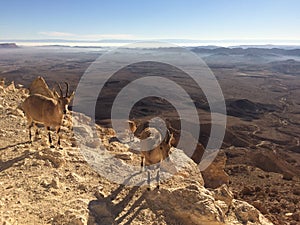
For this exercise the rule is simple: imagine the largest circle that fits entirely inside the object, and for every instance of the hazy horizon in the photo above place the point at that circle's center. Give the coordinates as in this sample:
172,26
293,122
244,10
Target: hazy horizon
124,42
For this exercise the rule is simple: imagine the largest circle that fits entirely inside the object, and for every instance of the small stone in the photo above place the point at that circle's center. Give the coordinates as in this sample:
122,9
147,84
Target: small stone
74,144
245,212
296,191
260,206
124,156
93,143
296,216
224,194
11,87
55,183
247,191
78,221
82,187
75,177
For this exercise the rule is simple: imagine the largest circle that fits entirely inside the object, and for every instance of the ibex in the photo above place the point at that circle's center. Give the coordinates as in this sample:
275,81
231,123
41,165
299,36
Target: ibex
156,155
132,127
47,111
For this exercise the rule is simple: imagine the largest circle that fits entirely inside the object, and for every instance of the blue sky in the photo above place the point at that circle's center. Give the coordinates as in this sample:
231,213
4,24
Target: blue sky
150,19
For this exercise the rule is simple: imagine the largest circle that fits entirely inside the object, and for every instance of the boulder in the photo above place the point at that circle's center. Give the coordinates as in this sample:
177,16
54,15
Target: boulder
214,175
11,87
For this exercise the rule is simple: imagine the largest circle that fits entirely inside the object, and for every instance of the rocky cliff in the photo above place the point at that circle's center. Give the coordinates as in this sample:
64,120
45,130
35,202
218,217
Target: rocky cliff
40,185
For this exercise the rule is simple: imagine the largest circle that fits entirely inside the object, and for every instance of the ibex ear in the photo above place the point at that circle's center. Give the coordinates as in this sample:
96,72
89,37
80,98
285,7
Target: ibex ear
168,138
56,95
71,96
171,140
132,125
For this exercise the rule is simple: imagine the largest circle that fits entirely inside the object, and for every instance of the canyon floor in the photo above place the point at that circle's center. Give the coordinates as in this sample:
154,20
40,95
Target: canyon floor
261,145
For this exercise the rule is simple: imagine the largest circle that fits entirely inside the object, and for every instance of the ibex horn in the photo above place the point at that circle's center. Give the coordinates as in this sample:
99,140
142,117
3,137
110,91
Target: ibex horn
67,91
61,92
168,136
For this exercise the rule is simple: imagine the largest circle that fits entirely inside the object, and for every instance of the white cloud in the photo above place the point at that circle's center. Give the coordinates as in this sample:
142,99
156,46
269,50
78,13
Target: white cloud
87,36
107,36
56,34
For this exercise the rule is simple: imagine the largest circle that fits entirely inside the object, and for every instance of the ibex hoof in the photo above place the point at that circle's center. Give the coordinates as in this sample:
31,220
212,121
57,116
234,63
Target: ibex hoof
157,186
52,146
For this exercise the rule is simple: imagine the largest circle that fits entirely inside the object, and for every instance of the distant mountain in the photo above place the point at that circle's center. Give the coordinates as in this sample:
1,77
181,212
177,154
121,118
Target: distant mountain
248,51
289,66
246,109
8,45
267,46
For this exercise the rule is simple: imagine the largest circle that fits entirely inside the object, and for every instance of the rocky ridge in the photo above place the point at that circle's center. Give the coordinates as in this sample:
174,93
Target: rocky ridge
40,185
